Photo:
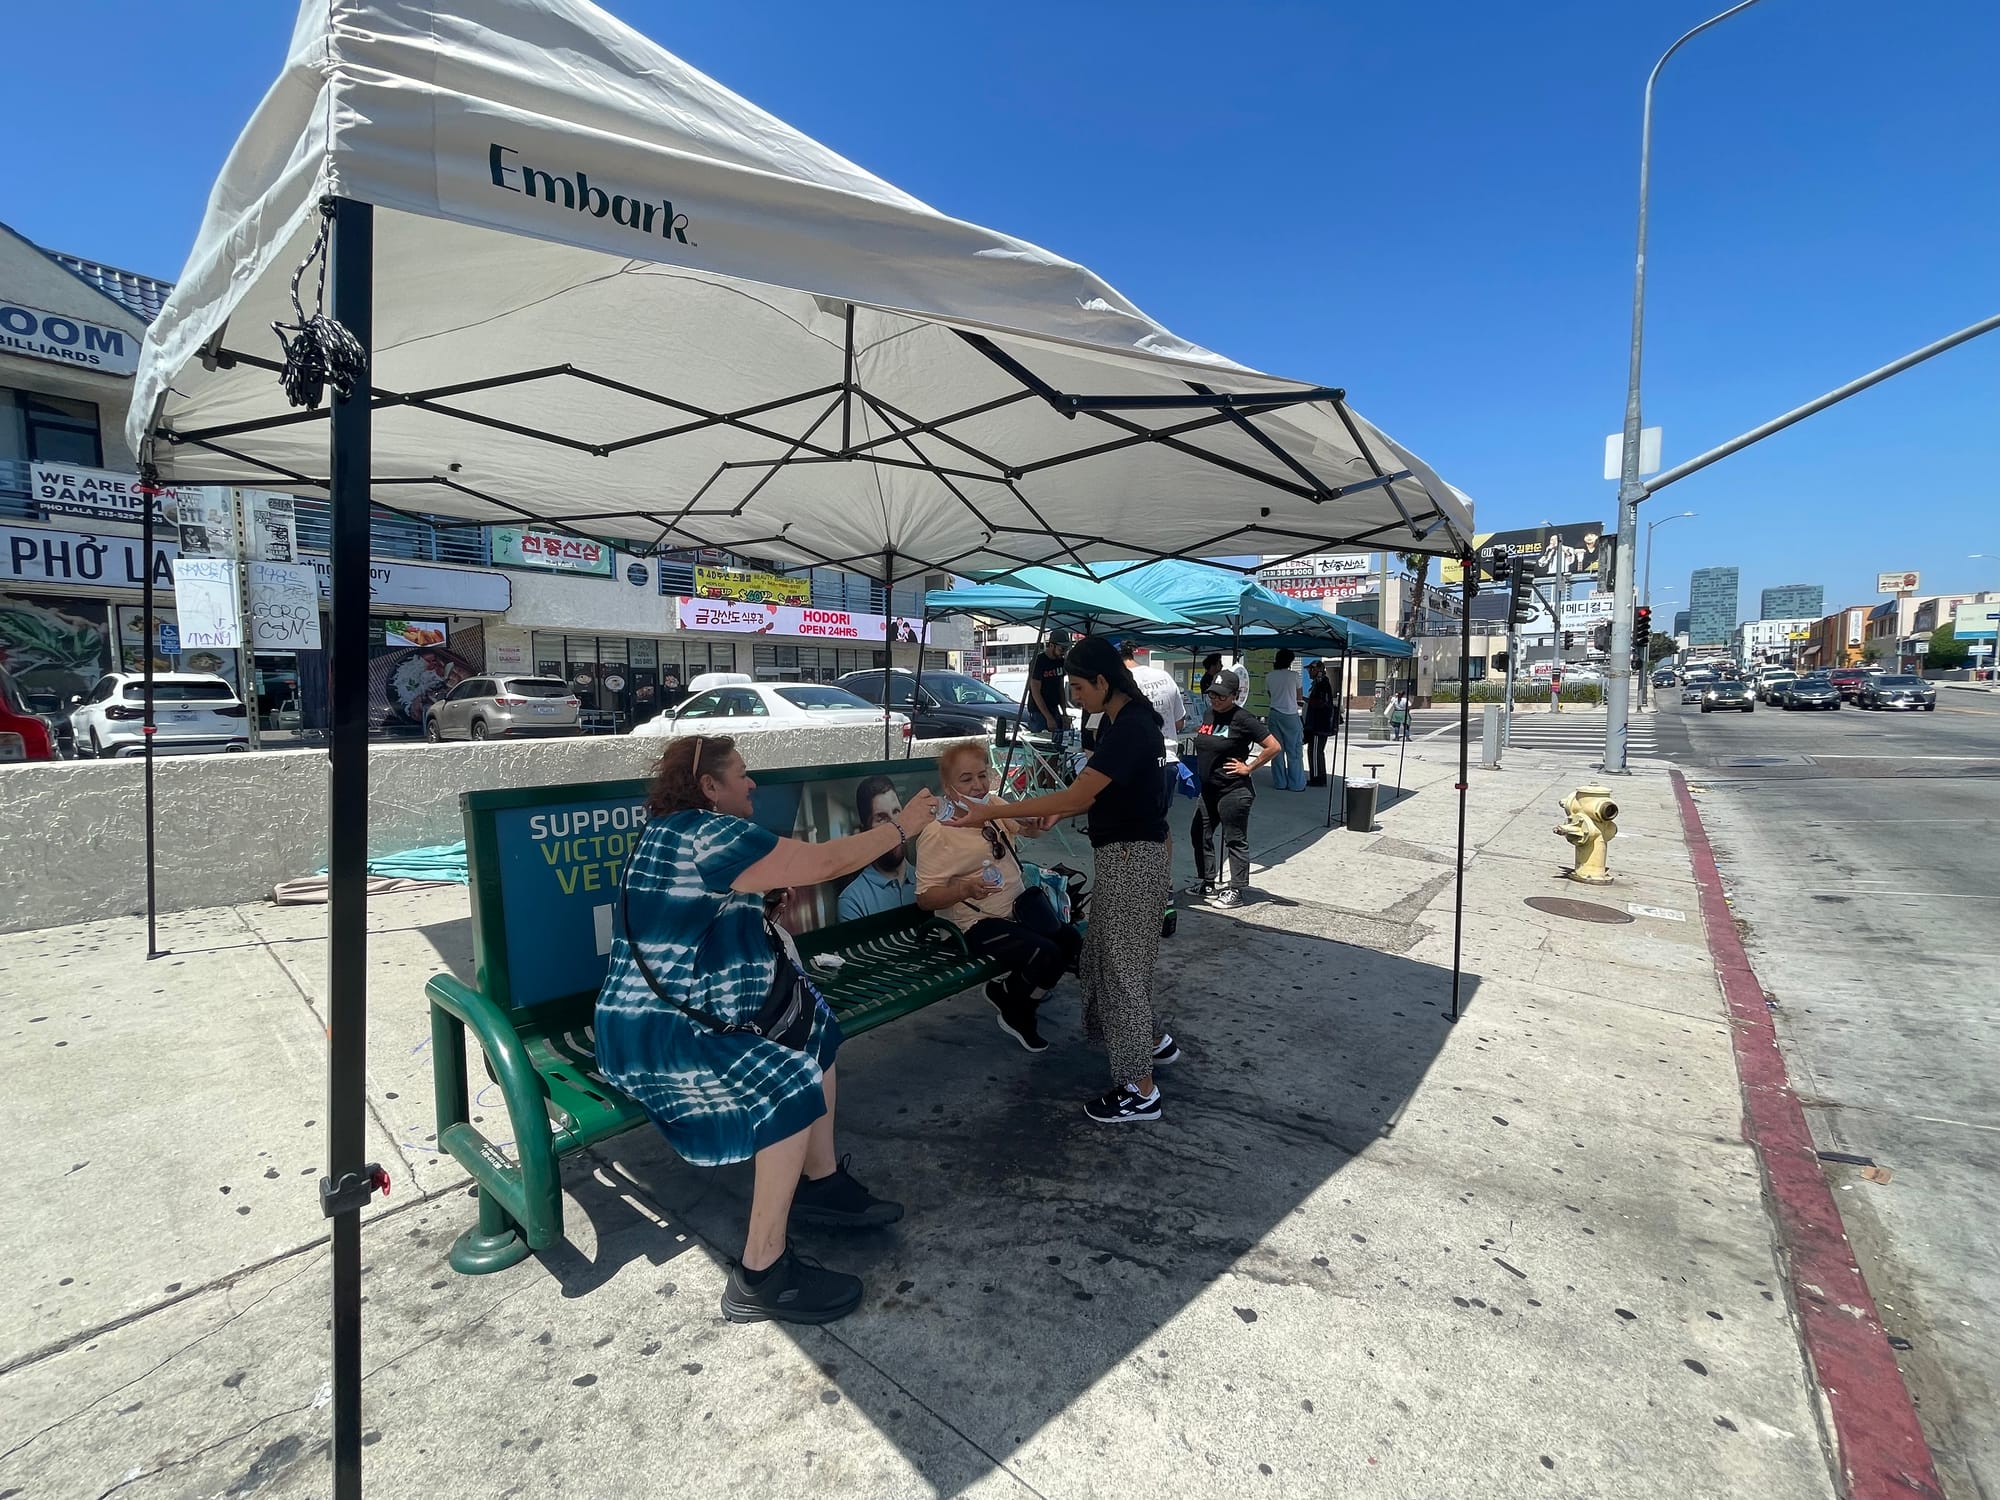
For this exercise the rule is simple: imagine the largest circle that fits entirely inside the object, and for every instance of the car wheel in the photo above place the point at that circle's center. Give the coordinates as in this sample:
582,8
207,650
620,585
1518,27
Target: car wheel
433,731
1704,708
1930,708
96,745
479,729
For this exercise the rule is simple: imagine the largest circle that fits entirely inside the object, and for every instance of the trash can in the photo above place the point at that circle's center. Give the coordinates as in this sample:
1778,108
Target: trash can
1361,805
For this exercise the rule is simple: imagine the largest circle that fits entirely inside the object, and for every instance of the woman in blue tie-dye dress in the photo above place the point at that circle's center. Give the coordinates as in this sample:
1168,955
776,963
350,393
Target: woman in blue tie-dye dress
695,893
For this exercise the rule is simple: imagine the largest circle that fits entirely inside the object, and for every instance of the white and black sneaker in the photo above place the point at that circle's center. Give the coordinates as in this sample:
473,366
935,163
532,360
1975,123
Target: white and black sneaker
1017,1017
1169,1050
1228,898
1124,1105
1195,894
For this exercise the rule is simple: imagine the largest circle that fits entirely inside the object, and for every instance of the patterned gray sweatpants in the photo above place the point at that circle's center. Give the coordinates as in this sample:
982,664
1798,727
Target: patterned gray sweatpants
1120,949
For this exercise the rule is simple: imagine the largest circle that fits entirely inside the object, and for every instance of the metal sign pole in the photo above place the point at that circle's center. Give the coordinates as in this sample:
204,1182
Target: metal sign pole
246,650
150,630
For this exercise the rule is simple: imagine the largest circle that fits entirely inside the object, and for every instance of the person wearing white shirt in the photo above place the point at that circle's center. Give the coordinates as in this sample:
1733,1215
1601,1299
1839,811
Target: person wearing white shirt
1287,721
1161,691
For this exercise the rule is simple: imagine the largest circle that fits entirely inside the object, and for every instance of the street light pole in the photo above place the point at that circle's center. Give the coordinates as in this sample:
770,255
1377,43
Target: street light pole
1630,490
1646,593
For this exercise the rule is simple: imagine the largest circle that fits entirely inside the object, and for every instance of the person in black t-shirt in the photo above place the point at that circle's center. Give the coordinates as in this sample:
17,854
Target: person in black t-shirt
1229,746
1126,787
1046,703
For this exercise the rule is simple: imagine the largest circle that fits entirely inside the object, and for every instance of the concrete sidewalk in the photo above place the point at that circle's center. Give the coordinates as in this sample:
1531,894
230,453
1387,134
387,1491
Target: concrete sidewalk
1365,1252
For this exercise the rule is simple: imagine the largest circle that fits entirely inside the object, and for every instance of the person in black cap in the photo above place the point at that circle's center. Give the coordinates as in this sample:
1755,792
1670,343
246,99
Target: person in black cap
1228,748
1047,704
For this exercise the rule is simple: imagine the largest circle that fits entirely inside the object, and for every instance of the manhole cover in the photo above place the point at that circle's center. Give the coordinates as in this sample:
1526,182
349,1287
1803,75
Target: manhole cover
1582,911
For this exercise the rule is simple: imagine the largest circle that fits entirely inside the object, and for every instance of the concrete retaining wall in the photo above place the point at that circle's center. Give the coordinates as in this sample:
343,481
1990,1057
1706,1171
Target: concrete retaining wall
229,827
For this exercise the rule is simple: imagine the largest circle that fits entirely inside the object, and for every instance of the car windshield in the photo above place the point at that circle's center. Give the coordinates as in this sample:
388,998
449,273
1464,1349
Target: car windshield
181,692
1728,690
534,687
820,699
1899,682
956,687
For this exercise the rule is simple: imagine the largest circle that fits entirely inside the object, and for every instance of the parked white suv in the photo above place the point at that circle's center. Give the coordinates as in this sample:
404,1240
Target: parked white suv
747,707
192,711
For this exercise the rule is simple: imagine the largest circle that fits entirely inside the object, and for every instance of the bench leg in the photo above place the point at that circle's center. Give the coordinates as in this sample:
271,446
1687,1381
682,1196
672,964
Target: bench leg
493,1244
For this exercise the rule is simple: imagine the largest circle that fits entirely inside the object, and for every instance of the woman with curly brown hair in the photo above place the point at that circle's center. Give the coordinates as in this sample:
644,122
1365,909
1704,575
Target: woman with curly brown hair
695,964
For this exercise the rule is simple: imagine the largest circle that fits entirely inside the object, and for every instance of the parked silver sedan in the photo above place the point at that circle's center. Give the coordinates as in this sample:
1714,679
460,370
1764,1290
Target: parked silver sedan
1897,692
495,708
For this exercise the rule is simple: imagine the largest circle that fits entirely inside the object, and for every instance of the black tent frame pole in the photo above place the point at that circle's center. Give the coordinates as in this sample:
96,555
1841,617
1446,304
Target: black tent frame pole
1340,708
889,646
917,689
1469,571
351,260
148,499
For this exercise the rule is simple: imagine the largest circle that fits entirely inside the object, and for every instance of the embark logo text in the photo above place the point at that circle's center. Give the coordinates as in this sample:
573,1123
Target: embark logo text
649,215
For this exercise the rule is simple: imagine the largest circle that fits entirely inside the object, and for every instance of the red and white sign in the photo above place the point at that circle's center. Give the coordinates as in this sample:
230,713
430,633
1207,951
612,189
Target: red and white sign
744,617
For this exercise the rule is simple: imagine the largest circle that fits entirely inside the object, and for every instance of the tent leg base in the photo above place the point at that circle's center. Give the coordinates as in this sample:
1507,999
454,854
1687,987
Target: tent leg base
493,1244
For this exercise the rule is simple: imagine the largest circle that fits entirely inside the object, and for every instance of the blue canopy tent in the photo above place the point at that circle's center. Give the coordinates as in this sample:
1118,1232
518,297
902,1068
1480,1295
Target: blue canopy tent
1062,598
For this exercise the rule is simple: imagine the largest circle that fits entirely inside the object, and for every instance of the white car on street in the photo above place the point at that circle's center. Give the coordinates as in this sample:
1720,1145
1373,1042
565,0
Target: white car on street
746,707
192,711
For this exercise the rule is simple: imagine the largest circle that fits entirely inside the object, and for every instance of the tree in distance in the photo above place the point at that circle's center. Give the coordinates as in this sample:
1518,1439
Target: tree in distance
1876,650
1947,650
1662,645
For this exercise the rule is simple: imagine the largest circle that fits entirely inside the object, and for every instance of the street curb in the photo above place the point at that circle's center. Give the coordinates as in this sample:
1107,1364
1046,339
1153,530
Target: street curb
1879,1448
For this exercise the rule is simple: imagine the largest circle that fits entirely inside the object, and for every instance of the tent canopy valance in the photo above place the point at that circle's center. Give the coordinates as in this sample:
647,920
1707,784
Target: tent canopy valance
1311,638
614,296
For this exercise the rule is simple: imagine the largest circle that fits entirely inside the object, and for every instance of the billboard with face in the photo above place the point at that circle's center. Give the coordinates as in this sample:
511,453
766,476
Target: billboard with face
1579,548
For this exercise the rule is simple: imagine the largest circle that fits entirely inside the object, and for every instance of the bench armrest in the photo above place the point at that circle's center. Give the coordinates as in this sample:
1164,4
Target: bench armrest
531,1192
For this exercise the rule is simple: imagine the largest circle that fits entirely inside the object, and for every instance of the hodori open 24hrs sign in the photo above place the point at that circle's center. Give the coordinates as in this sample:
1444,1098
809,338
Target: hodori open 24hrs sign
742,617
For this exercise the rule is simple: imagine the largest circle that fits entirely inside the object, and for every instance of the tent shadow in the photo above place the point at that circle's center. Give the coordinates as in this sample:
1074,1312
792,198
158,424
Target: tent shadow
1040,1250
452,941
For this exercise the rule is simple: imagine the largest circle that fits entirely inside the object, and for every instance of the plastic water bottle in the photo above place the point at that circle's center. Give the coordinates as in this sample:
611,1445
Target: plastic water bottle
948,809
990,873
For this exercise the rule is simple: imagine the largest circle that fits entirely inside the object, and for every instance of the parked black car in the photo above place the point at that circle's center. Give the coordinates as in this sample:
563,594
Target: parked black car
951,703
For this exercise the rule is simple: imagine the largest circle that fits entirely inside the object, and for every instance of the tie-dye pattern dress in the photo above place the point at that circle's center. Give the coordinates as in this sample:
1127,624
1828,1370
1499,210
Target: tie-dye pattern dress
716,1098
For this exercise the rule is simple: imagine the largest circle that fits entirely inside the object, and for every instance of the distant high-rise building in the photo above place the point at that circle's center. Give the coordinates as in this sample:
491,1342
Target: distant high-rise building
1792,601
1712,606
1680,622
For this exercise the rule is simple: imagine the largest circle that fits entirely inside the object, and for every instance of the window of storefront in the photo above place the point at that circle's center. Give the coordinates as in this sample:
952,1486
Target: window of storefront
48,429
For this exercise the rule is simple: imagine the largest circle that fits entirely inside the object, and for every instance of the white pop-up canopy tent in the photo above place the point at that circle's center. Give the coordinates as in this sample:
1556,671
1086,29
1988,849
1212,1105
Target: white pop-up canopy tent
575,281
615,295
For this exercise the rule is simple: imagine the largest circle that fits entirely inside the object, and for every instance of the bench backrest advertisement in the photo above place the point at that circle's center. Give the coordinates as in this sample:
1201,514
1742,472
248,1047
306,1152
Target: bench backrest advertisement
545,865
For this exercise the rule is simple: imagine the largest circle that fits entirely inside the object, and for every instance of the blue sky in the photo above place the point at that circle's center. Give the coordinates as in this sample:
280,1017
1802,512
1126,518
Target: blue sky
1429,204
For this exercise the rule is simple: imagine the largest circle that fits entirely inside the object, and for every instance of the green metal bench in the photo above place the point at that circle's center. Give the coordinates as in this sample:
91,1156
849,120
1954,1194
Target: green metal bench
537,1033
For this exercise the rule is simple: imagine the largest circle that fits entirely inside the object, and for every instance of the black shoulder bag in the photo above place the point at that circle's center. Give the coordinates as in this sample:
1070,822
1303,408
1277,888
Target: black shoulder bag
785,1017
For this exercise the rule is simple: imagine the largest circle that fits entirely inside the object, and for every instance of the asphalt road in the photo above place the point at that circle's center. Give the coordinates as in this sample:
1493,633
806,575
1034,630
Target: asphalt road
1862,851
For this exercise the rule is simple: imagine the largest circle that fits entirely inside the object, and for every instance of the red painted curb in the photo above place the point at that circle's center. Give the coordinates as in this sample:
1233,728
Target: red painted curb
1881,1452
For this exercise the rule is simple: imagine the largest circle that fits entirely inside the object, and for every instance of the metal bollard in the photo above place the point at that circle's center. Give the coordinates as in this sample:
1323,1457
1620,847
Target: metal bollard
1592,824
1489,737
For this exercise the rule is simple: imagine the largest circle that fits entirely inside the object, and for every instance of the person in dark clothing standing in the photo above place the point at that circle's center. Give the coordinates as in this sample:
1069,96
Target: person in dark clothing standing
1047,704
1322,721
1210,665
1228,748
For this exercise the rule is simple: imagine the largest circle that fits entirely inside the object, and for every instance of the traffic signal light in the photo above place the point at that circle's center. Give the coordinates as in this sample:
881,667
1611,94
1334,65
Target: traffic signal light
1569,639
1642,632
1521,605
1499,561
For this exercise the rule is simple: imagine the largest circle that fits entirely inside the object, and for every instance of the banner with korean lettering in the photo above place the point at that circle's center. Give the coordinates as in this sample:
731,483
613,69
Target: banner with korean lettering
750,587
527,547
737,618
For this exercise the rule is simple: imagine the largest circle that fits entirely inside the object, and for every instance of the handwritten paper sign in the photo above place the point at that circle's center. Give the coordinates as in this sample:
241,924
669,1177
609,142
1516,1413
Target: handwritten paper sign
284,607
205,604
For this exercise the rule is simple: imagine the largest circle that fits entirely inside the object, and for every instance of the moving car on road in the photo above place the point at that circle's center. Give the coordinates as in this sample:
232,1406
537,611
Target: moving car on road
503,708
749,707
192,711
1769,684
1725,695
1849,680
1898,692
1692,690
1815,691
948,704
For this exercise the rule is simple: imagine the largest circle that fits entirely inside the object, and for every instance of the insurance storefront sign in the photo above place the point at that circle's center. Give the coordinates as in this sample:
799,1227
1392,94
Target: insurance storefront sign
741,618
64,339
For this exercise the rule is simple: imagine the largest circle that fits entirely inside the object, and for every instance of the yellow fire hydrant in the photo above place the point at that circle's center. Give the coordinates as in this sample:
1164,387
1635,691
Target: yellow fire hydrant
1592,824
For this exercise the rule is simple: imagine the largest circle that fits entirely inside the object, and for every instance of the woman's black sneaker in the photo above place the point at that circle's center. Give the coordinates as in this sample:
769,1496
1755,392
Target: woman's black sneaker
837,1201
792,1290
1169,1050
1124,1106
1017,1017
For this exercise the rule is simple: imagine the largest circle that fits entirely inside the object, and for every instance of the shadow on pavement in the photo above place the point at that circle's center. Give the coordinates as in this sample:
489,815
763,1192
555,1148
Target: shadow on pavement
1041,1250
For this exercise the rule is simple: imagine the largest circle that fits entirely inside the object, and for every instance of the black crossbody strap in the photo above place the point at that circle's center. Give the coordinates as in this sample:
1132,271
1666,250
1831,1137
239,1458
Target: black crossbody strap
712,1022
